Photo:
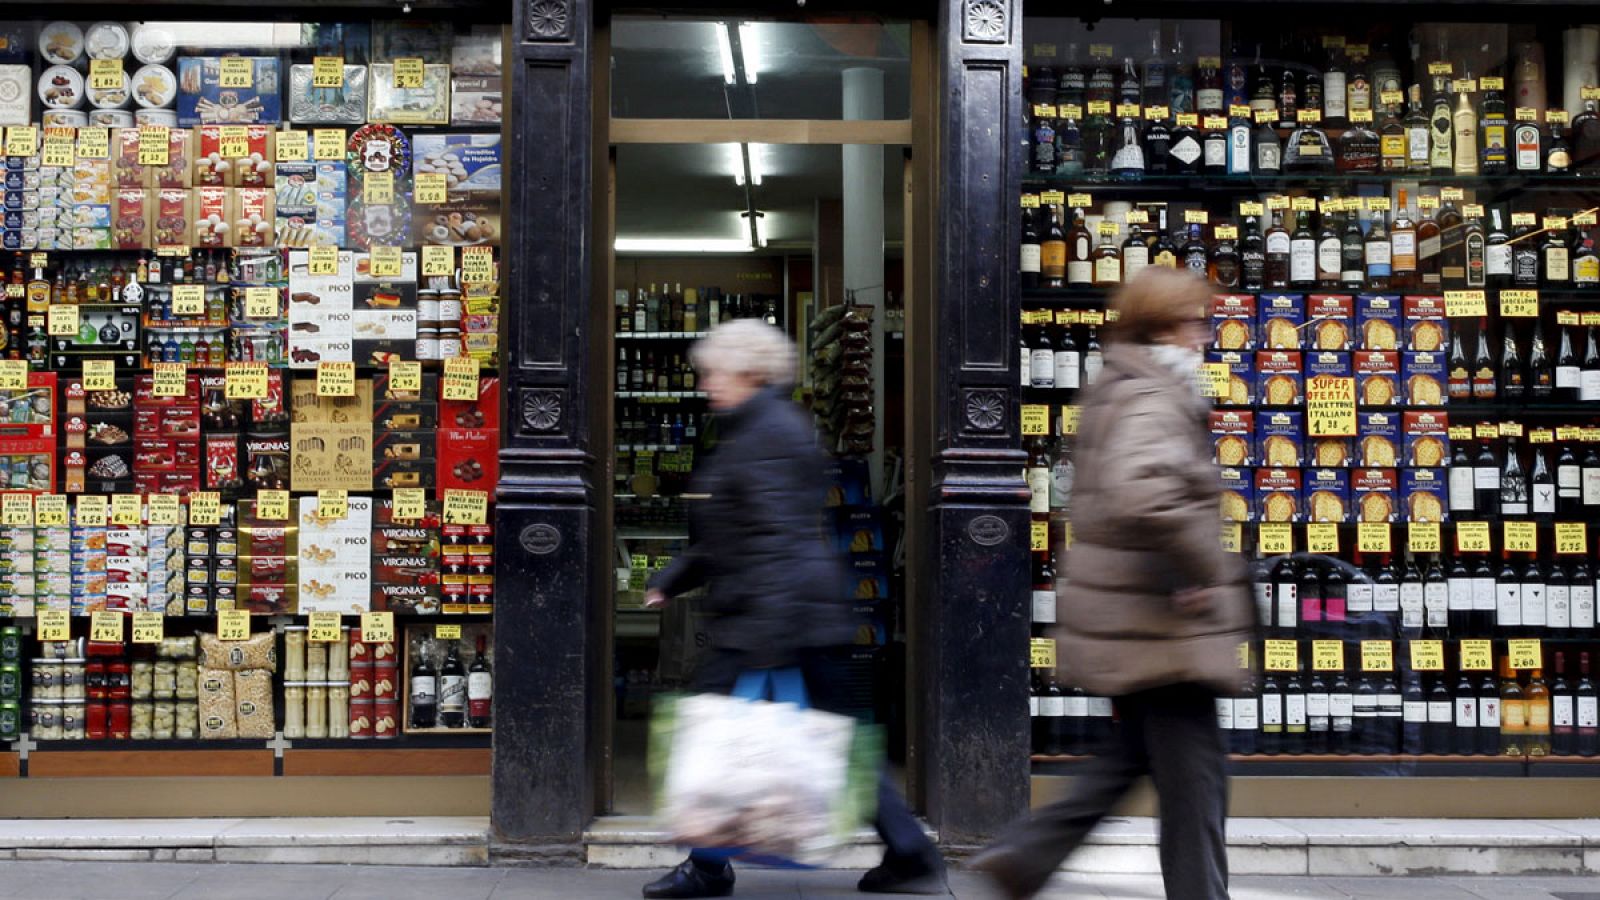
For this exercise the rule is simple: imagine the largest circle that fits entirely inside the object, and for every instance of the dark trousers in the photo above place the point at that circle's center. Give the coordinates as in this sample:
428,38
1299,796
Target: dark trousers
1170,734
907,843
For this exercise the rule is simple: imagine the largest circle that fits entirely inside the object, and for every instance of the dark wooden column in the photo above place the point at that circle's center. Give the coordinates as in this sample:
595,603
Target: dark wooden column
544,647
973,654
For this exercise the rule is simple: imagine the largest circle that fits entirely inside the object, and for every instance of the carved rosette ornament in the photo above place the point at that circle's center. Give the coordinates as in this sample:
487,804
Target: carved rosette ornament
985,22
549,20
541,410
986,409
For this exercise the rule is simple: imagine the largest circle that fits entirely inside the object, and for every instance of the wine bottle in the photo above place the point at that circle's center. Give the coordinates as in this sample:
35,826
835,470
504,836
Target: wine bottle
452,689
480,687
1464,740
1587,704
424,689
1536,699
1563,712
1414,716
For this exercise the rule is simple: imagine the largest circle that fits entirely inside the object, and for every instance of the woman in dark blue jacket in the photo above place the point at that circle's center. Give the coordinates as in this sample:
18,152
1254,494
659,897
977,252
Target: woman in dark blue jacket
772,583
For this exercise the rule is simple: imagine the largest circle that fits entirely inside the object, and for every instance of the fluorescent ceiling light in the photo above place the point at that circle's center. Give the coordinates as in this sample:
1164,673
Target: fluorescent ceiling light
683,245
750,49
736,154
756,152
725,50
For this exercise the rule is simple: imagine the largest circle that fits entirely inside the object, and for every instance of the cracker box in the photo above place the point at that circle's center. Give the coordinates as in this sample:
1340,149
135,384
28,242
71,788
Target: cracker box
1327,495
1325,362
1374,494
1233,437
1278,437
1280,377
1379,320
1280,317
1241,376
1238,495
426,105
202,100
1278,495
1377,377
1330,322
1427,439
1425,494
1427,328
1378,439
1425,378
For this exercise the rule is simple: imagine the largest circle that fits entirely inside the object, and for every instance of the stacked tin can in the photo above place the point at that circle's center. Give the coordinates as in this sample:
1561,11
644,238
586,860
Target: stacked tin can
57,700
10,683
374,695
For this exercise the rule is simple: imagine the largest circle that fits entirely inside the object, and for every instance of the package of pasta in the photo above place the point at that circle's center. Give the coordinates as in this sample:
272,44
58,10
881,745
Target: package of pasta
217,708
252,694
259,652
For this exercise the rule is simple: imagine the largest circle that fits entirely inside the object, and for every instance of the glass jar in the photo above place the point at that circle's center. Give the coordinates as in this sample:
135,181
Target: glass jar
316,711
294,711
294,650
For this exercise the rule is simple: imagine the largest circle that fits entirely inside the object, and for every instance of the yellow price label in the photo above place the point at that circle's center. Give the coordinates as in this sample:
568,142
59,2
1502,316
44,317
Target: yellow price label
1275,539
1472,537
379,189
50,510
1428,201
93,511
386,262
1464,86
1373,537
1302,204
1127,110
292,146
1541,436
189,299
1361,116
1327,656
233,142
333,504
1525,653
1492,83
1465,304
1440,68
322,261
1390,98
1226,232
163,509
1524,218
149,627
1232,537
1331,406
1035,419
1099,107
1555,223
1378,204
1487,431
1069,419
325,627
1423,537
466,507
377,627
53,625
477,265
16,509
438,261
236,72
1322,537
1572,538
1377,656
94,143
1252,208
1108,229
336,379
1427,656
1281,656
58,152
127,509
1476,655
461,378
447,632
1511,429
1460,432
1241,654
327,144
410,504
327,71
1556,116
169,379
272,506
155,145
1308,116
430,189
405,376
1041,653
178,251
13,375
1521,537
99,375
63,320
205,508
1188,120
22,140
233,625
1214,379
1140,217
408,72
1038,537
105,626
261,303
1056,198
1519,304
1266,116
1569,433
1196,216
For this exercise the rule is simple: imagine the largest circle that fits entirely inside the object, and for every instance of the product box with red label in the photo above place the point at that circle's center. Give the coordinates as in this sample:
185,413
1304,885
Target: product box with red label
1327,495
1233,437
469,459
1379,319
1238,494
1427,439
1278,495
1279,434
1330,322
483,412
1281,378
1426,379
212,218
1378,439
1233,321
1427,328
1374,493
1281,317
130,219
1377,377
173,218
1426,493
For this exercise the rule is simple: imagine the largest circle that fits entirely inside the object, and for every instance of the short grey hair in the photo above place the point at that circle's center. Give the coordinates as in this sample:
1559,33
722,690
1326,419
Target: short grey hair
748,347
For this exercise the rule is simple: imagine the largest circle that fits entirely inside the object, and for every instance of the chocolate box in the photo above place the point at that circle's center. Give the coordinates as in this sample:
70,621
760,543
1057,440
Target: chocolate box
1281,378
390,474
481,413
254,169
1379,320
1278,438
427,105
1374,495
1233,437
1426,494
1327,495
1426,378
1278,495
1330,322
469,459
1281,317
1378,439
1377,377
1427,439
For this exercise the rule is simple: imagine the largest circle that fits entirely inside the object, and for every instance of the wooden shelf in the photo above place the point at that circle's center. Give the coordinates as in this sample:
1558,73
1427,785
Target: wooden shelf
150,763
374,760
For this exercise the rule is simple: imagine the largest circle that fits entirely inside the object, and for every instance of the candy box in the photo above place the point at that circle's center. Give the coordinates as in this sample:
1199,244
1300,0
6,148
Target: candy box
202,100
483,412
476,100
252,212
173,217
177,172
469,458
126,168
130,219
254,168
427,105
470,163
1280,317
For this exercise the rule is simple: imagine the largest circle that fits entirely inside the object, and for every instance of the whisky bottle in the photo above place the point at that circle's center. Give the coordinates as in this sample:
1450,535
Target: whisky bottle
1416,125
1252,256
1107,258
1208,96
1429,246
1352,254
1558,150
1555,260
1277,253
1379,254
1308,150
1497,254
1075,250
1328,252
1358,147
1195,256
1586,140
1223,266
1266,153
1393,149
1527,142
1586,264
1302,253
1164,253
1403,239
1524,254
1135,252
1030,255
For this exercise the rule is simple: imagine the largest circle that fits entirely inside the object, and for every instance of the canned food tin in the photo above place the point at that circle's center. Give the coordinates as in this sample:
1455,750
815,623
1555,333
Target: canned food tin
449,343
449,309
361,719
10,683
385,682
72,680
427,306
11,644
360,652
386,719
120,723
94,680
427,344
361,684
10,721
383,651
46,679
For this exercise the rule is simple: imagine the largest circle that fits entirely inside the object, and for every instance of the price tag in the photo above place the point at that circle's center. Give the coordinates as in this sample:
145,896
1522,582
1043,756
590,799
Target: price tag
105,626
58,152
205,508
1322,537
1035,419
1524,653
261,303
411,504
1487,431
1188,120
63,320
1277,202
1568,433
1041,653
1281,656
1308,116
447,632
377,627
1127,110
236,72
292,146
1464,86
1232,537
1038,537
1093,317
1587,217
1524,218
94,143
1238,111
163,509
169,379
1427,656
1428,201
327,144
155,145
1511,429
1460,432
99,375
13,375
1377,204
1266,116
1566,317
178,251
1555,223
379,189
322,261
272,506
94,510
16,510
234,142
127,509
1327,656
1492,83
1227,232
1069,419
189,299
22,140
1214,379
333,504
431,189
1331,406
477,265
1361,116
1373,537
386,262
1241,654
1377,656
1063,317
1195,216
1572,538
233,625
149,627
1252,208
1423,537
1521,537
50,510
1439,68
327,71
405,377
1108,229
461,378
1100,51
1526,114
1215,123
325,627
1275,539
1476,655
1070,111
1541,436
1391,98
336,379
1590,318
466,507
1556,116
53,625
1472,537
438,261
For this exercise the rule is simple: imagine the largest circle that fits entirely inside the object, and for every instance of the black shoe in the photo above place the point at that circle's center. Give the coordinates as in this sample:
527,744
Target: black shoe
689,880
905,876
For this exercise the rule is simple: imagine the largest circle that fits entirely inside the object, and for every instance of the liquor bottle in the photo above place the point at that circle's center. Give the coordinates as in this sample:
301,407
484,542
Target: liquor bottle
1187,150
1263,89
1586,140
1266,153
1537,701
1328,252
1352,254
1513,484
1288,96
1535,606
1277,253
1214,145
1464,741
1587,711
1164,252
1403,239
1452,247
1387,85
1393,151
1465,127
1429,245
1319,718
452,689
1303,253
1312,608
1067,361
1458,584
1359,149
1247,720
1335,598
1093,357
1030,259
480,688
1378,254
1043,160
1542,488
1589,374
1556,260
1435,600
1494,130
1460,379
1128,157
1558,149
1240,149
1097,131
1385,602
1044,590
1527,142
1077,255
1153,89
1357,86
424,690
1135,252
1194,253
1072,84
1441,130
1541,368
1416,129
1222,267
1489,718
1271,740
1107,258
1497,253
1567,369
1586,264
1209,98
1414,716
1557,600
1513,713
1129,88
1334,85
1053,709
1359,595
1341,714
1038,726
1513,383
1411,601
1507,597
1069,140
1252,256
1041,359
1295,725
1569,483
1475,249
